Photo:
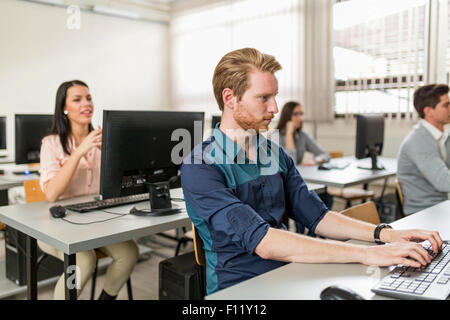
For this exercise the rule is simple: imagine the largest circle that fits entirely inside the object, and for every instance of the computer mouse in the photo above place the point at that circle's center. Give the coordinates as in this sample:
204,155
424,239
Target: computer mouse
58,211
339,293
323,167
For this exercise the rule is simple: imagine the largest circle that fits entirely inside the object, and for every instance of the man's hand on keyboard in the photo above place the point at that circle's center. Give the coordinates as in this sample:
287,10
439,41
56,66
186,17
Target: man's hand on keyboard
406,253
413,235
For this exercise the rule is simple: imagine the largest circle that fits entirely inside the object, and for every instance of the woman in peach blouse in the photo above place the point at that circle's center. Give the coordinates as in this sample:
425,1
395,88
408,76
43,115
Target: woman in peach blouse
70,166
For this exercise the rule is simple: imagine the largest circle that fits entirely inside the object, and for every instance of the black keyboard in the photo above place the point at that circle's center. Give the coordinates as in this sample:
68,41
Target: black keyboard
108,203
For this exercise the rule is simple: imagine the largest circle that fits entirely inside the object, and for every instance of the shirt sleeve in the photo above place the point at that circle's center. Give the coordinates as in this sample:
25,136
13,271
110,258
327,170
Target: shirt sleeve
304,206
313,147
49,165
207,195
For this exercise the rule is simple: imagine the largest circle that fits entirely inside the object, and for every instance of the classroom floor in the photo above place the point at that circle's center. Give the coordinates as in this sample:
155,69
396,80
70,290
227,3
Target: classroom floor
144,278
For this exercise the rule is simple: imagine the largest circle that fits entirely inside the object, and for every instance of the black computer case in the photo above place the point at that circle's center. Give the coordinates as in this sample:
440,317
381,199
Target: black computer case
180,278
15,259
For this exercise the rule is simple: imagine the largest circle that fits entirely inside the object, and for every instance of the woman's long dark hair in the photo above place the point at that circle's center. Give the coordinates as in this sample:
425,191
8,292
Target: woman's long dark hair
286,114
61,123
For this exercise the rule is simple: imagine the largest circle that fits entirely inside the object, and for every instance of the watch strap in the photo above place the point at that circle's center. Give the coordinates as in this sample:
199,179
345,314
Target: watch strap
376,234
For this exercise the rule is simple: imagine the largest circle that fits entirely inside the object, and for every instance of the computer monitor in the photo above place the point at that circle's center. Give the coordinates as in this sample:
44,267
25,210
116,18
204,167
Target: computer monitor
2,133
369,138
30,129
214,121
137,149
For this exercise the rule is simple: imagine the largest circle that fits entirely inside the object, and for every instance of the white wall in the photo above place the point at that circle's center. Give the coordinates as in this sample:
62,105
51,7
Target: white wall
124,62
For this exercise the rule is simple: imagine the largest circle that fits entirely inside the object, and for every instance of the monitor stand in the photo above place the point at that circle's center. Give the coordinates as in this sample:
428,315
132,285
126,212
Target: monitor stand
375,165
160,201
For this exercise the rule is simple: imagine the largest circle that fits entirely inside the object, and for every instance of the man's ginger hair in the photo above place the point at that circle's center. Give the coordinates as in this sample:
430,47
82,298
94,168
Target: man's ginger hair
234,68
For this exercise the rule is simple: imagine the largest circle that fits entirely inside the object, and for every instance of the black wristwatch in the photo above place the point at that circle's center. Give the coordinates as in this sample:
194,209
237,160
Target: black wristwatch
376,234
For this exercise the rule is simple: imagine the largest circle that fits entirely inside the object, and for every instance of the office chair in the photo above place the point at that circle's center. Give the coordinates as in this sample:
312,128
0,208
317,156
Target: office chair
199,258
198,247
365,212
349,194
400,198
33,193
185,238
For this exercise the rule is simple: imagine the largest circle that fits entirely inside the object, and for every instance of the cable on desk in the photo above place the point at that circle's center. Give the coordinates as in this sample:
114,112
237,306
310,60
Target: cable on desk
120,215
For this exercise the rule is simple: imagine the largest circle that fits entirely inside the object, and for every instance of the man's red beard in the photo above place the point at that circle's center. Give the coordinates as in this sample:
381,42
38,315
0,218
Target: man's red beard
247,121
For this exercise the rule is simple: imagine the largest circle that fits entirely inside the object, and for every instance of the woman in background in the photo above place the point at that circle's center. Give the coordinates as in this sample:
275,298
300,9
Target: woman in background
70,166
296,142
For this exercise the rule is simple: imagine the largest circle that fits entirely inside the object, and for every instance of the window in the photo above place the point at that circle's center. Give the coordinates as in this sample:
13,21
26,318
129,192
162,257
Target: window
200,38
379,55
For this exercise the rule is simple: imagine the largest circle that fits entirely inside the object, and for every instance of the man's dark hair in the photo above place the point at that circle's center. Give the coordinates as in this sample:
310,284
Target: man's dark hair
428,96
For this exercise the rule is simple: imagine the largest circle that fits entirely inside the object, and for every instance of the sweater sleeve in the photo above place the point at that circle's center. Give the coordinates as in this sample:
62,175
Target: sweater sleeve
428,160
313,147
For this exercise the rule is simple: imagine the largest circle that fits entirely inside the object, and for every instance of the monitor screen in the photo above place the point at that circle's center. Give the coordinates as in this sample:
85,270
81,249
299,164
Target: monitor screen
214,121
137,148
2,133
369,136
30,129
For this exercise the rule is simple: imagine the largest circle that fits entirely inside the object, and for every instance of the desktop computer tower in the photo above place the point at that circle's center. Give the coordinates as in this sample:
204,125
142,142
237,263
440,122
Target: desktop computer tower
180,278
15,259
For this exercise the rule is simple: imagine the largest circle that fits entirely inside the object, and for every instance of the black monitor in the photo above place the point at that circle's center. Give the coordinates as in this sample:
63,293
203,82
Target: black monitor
369,138
138,150
30,129
2,133
214,121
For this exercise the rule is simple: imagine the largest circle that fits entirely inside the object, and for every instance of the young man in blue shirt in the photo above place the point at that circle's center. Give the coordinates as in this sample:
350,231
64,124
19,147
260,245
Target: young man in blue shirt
238,185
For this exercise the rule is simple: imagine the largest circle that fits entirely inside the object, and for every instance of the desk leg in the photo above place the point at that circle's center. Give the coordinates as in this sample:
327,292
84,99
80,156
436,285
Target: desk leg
31,268
4,197
70,276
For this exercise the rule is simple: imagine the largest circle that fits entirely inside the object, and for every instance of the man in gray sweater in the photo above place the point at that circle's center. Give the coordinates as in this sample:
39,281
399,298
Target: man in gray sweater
424,156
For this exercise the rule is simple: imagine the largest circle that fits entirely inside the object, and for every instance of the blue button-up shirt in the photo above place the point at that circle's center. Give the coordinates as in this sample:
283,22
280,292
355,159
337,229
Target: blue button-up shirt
233,201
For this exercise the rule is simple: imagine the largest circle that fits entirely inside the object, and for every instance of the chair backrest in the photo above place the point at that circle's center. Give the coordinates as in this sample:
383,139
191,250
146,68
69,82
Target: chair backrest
33,192
336,154
399,192
400,198
198,247
366,211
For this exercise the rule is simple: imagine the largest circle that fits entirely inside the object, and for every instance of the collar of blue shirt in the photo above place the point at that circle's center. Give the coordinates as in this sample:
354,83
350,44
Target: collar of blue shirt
235,153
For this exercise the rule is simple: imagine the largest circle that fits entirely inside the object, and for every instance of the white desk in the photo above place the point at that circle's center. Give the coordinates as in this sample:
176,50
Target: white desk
35,221
300,281
351,175
7,159
317,188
